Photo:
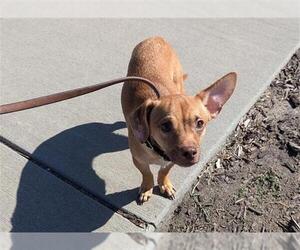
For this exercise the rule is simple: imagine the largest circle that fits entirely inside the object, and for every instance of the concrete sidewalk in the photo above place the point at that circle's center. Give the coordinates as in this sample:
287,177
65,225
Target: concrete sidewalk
79,241
32,200
84,139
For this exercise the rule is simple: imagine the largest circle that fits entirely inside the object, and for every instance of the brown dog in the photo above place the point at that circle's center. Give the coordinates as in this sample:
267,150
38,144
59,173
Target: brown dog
168,130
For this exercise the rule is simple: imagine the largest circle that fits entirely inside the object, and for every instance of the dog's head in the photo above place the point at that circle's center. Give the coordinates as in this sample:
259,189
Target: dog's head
178,122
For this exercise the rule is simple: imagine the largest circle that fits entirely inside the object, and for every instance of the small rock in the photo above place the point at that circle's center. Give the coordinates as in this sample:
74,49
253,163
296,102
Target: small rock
240,150
263,139
294,101
178,210
188,212
290,167
259,163
218,164
262,154
269,128
200,198
246,123
293,147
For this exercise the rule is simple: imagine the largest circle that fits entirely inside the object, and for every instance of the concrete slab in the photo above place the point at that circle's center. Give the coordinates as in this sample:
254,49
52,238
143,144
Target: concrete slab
226,241
79,241
85,138
33,200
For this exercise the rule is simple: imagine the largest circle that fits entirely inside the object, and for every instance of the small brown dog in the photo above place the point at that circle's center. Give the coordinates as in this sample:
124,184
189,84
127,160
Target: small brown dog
168,130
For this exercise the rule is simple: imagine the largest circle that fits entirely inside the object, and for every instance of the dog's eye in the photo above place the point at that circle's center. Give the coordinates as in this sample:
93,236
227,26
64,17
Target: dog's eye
199,123
166,127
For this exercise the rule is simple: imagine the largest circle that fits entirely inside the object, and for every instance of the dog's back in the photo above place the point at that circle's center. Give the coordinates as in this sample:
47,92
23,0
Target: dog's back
155,60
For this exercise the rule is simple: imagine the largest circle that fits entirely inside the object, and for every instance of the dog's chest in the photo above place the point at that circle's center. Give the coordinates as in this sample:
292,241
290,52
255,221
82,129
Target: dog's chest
160,162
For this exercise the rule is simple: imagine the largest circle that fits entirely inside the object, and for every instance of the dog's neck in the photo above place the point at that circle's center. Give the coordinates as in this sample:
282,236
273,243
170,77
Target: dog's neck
154,146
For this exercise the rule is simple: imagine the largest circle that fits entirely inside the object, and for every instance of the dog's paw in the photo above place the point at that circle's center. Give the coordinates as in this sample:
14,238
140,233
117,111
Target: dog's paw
168,190
144,195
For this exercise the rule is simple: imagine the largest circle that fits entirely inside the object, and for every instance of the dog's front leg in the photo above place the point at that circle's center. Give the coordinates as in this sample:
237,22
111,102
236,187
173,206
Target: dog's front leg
164,183
147,183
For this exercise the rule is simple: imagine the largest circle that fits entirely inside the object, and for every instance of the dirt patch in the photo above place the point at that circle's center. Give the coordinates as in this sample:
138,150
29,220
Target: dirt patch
253,184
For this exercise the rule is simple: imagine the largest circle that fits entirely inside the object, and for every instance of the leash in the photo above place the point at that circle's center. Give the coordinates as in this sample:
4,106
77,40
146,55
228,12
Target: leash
61,96
65,95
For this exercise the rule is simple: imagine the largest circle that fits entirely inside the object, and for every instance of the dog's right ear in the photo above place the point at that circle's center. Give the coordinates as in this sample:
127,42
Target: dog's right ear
217,94
139,120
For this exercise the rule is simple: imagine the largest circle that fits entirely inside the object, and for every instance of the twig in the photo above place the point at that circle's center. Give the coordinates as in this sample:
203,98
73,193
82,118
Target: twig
280,203
197,183
252,209
238,201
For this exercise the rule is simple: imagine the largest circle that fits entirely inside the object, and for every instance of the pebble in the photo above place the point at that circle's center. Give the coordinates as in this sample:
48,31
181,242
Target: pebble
293,147
290,167
294,101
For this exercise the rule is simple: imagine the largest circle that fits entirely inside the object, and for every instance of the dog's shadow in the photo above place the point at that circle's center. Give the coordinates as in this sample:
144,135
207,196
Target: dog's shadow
45,206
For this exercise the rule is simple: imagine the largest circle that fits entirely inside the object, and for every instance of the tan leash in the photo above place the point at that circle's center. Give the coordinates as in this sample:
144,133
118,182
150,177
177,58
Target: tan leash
44,100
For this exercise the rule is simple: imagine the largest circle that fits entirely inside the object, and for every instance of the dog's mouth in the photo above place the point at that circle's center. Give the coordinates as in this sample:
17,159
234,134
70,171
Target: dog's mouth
182,162
187,163
182,156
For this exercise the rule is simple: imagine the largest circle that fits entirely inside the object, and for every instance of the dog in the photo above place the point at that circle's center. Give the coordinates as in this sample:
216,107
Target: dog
166,130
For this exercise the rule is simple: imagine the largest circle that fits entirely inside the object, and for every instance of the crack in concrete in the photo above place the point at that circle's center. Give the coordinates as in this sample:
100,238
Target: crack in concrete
133,218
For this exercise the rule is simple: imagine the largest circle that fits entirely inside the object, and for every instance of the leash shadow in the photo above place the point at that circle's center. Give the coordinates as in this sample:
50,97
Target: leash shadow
41,206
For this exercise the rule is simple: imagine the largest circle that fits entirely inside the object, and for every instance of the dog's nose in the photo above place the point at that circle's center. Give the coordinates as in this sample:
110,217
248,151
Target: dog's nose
189,153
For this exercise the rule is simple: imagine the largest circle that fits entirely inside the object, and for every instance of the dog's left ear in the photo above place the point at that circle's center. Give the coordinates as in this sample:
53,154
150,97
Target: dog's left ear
139,120
216,95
